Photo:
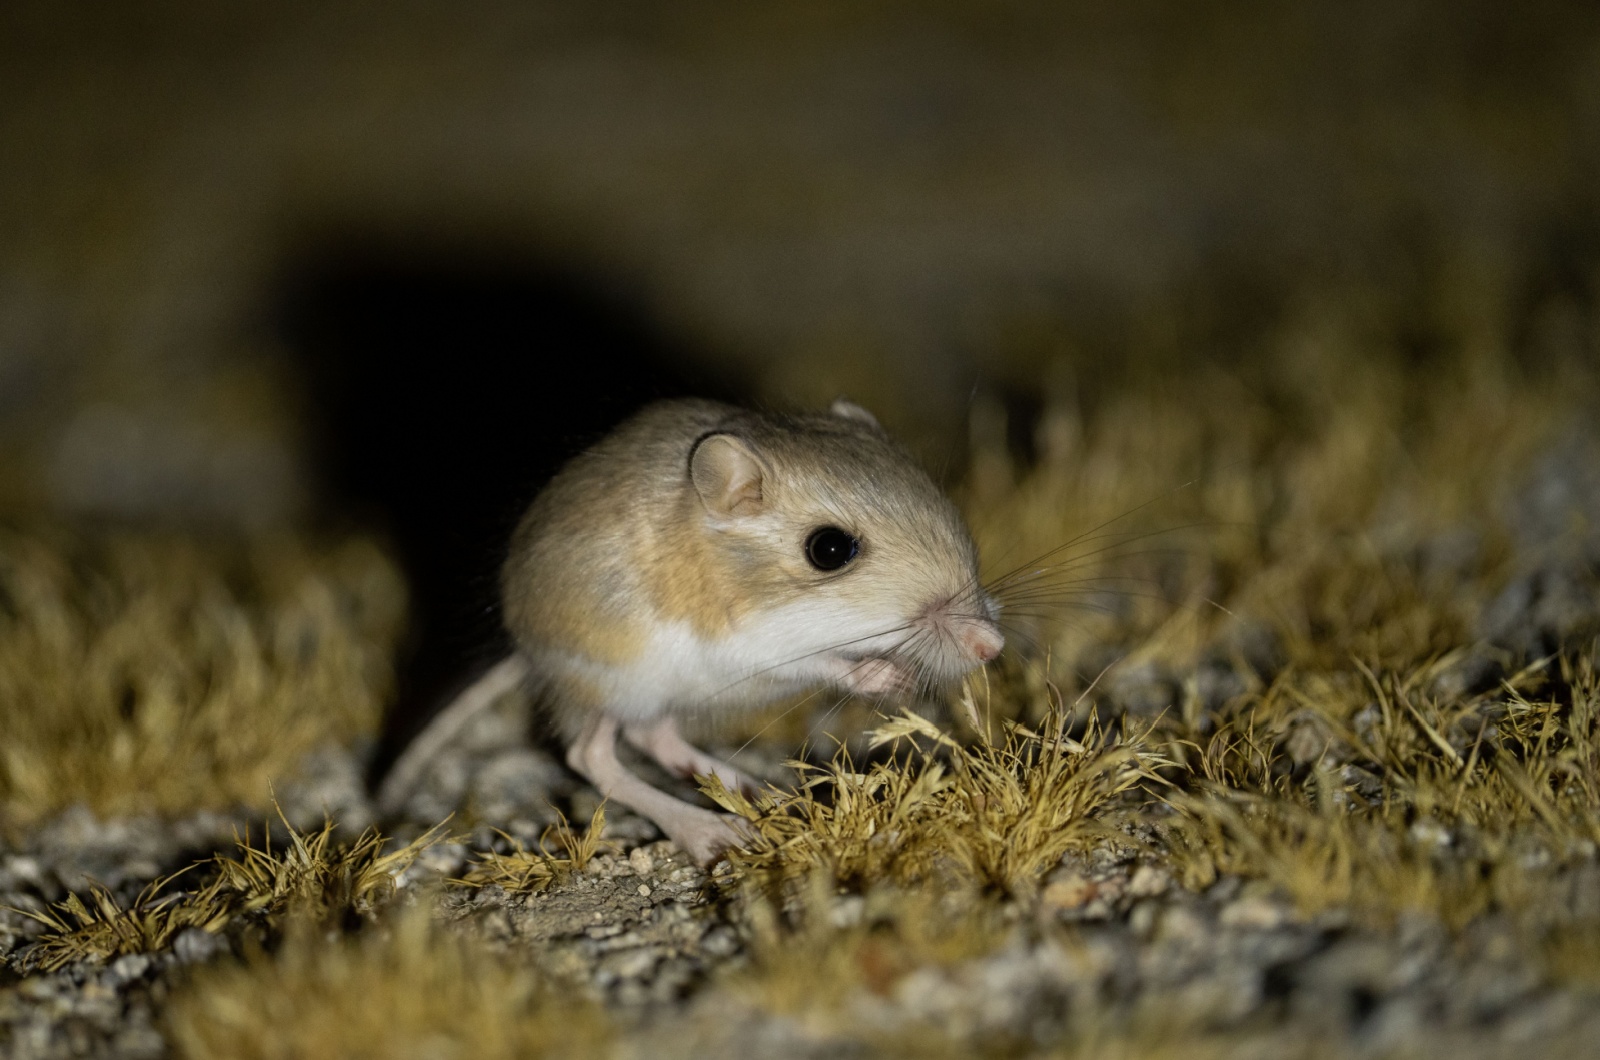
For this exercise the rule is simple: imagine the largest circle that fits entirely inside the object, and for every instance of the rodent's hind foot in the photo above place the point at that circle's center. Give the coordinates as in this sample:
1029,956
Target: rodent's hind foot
662,741
705,836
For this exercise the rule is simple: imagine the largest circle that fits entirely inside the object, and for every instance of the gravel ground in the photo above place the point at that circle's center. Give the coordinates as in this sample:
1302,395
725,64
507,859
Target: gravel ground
1111,946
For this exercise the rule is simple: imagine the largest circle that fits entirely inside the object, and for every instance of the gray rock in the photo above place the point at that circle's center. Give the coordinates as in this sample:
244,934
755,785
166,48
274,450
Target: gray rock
1216,682
1361,782
720,941
22,872
1544,608
1447,559
125,970
328,785
520,781
1144,690
195,946
1257,645
1559,504
1474,671
1310,741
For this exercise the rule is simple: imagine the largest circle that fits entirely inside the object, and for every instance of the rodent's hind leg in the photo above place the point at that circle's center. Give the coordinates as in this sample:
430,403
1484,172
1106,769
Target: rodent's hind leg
701,834
662,741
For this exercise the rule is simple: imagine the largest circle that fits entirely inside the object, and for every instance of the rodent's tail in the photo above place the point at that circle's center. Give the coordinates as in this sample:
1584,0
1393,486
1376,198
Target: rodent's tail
402,778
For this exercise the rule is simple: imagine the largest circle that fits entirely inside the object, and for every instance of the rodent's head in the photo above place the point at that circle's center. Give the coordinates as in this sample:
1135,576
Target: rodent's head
860,570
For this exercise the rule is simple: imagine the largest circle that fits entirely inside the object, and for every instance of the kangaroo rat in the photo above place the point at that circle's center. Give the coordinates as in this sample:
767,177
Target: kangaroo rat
705,558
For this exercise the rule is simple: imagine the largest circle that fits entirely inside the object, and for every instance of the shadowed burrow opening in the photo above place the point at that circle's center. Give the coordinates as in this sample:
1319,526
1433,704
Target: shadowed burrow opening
444,386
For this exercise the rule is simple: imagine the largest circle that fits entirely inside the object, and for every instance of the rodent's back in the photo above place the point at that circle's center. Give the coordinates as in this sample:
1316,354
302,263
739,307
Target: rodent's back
574,579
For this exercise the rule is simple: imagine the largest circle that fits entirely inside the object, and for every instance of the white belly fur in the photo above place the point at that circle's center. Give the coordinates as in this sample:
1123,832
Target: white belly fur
773,654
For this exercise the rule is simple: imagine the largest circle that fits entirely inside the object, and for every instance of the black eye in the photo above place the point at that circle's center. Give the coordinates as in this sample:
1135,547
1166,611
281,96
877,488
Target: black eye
831,548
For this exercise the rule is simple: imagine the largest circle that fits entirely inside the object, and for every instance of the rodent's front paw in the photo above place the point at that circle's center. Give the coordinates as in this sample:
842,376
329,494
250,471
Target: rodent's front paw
876,677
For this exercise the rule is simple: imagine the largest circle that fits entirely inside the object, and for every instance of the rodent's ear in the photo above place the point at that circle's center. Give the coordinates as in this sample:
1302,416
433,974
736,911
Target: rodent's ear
727,474
849,410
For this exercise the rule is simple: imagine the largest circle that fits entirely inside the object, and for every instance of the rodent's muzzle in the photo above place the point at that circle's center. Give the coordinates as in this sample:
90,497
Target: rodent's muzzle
965,632
983,640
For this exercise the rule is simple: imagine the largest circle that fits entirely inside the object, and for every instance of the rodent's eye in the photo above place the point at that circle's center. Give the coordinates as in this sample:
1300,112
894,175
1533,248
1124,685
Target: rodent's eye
831,548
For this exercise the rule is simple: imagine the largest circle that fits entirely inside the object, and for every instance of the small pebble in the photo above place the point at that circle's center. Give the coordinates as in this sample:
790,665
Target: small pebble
125,970
847,911
1254,913
1148,881
720,941
195,945
644,890
23,870
1068,892
635,964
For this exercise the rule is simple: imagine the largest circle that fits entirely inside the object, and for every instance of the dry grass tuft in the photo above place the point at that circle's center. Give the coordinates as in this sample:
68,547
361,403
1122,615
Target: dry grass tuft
100,929
412,989
1404,802
992,814
524,871
1327,530
313,878
153,674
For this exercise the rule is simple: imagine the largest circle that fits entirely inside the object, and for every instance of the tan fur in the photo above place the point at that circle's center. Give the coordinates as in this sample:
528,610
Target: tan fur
626,538
614,531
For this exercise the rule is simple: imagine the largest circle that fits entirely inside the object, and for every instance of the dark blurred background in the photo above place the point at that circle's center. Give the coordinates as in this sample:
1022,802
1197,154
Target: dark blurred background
385,265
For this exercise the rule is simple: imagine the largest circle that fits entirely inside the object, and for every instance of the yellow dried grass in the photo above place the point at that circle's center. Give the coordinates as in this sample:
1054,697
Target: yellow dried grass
313,876
144,673
991,814
524,871
411,989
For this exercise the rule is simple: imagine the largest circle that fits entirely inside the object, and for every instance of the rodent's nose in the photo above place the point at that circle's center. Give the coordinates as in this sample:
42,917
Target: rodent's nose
983,641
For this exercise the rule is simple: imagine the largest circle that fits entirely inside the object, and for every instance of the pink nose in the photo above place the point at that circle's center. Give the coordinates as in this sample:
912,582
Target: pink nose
983,641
